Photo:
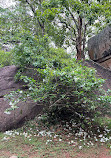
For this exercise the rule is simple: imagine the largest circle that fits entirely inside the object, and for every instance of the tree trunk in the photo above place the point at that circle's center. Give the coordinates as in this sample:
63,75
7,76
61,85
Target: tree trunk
84,41
79,40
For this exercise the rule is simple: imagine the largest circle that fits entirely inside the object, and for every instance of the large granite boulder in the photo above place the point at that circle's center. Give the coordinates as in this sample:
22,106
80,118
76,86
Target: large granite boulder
27,110
99,47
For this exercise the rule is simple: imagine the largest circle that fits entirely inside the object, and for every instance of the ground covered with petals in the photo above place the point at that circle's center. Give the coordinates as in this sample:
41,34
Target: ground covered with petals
36,141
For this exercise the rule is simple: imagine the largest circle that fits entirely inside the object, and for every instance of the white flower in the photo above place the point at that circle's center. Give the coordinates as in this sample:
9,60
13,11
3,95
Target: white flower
25,134
102,140
21,92
48,141
10,103
40,118
56,136
95,139
76,79
17,133
72,141
9,133
91,143
5,138
70,128
60,139
107,130
98,130
7,112
100,135
80,147
49,133
14,107
67,125
106,139
42,133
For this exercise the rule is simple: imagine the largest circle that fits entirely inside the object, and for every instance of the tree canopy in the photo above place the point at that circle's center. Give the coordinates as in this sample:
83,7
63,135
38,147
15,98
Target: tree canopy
66,22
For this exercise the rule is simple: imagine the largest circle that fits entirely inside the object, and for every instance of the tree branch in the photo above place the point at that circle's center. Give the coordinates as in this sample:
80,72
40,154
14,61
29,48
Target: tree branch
84,38
67,26
73,18
33,10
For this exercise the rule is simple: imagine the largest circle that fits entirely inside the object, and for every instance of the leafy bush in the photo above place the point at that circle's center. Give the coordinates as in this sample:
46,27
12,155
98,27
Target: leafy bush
71,94
29,51
35,52
5,58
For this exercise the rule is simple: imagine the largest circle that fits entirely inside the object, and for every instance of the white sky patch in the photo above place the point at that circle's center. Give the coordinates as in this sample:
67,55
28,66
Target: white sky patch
6,3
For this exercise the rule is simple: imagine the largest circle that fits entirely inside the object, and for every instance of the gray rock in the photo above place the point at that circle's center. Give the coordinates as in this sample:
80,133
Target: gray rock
99,47
7,82
101,72
27,110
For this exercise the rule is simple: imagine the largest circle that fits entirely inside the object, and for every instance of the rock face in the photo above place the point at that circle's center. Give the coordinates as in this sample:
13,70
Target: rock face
26,110
101,72
7,82
99,47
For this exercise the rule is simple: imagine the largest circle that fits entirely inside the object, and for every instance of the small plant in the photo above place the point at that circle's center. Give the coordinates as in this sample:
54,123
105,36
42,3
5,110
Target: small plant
6,58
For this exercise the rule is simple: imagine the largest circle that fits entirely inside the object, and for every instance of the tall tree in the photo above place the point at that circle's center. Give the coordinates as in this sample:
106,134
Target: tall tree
27,16
14,22
77,15
42,15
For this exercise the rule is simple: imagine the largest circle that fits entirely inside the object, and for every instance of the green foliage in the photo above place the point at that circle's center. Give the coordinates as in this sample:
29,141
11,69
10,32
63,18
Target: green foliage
35,52
12,25
76,18
71,93
29,51
57,18
6,58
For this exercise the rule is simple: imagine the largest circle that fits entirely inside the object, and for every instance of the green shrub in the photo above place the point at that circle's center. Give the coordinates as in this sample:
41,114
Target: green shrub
74,94
5,58
35,52
71,94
